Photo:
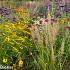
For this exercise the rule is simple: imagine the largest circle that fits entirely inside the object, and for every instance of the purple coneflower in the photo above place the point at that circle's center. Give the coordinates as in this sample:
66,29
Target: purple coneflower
53,20
40,21
68,27
29,25
13,19
46,20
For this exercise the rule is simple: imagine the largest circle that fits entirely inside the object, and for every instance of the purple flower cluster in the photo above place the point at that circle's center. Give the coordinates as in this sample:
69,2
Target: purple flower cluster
43,20
66,8
58,14
5,11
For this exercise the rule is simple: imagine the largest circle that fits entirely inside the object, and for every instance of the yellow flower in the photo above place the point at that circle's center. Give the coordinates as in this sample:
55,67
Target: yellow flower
30,29
21,26
22,39
31,53
13,33
45,64
21,47
49,13
30,39
7,38
14,66
4,60
6,26
13,26
3,33
20,63
62,21
11,43
15,49
22,11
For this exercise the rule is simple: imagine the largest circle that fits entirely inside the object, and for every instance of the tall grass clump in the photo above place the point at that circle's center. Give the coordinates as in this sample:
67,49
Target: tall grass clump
51,38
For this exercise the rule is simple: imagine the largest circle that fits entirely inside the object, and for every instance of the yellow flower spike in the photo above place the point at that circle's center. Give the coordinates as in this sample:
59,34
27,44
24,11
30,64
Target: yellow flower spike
4,60
20,63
